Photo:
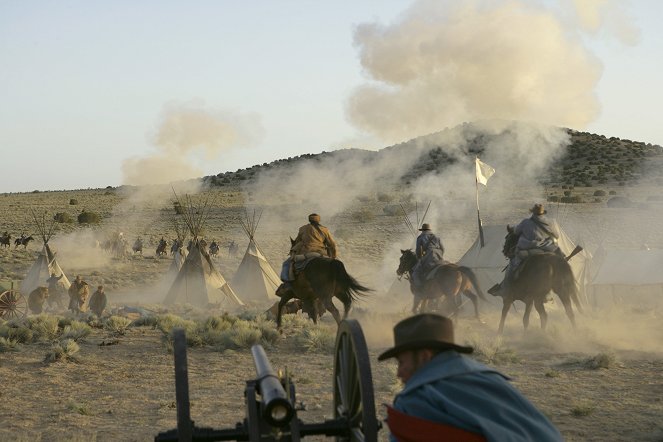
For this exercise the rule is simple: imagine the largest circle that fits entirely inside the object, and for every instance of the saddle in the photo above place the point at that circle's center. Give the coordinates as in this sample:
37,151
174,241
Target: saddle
301,261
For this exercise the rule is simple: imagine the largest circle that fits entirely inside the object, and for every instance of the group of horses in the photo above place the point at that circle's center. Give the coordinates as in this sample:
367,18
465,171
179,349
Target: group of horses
5,241
324,279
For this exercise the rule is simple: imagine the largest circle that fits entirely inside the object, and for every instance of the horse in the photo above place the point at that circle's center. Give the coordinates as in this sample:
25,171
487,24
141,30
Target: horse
321,280
36,299
5,240
538,275
78,294
233,249
161,248
22,241
138,246
449,280
213,248
176,245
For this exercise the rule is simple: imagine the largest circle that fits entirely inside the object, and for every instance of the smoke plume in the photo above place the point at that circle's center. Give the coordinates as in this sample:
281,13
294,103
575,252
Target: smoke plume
445,62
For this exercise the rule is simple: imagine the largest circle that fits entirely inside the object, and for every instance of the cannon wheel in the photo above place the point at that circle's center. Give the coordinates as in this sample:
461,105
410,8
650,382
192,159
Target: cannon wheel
184,424
353,383
13,305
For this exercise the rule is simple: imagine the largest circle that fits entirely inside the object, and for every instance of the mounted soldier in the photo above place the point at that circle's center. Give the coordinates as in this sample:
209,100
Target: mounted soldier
535,236
429,251
313,241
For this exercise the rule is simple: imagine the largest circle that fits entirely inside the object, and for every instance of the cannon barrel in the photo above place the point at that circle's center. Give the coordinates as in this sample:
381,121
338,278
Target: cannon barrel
277,410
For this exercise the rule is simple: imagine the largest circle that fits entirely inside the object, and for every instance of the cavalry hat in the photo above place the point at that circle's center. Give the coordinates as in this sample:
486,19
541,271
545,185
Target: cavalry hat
314,217
538,209
425,226
425,330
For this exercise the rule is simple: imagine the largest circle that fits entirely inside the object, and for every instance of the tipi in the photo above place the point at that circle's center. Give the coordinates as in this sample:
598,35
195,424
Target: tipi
46,264
198,282
255,278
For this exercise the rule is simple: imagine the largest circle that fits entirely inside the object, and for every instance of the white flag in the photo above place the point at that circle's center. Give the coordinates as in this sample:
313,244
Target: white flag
484,171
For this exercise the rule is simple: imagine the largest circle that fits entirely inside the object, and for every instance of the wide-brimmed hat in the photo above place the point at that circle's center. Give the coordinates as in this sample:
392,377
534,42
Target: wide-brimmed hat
314,218
538,209
425,226
425,330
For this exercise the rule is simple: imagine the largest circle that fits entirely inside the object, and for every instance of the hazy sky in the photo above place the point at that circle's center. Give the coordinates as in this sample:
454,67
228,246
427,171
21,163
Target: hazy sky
119,92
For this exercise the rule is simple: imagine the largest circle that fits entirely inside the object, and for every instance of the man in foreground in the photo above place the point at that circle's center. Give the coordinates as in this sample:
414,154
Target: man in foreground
448,396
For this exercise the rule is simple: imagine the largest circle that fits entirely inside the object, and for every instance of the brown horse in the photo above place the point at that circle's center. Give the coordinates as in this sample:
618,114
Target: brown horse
537,276
22,241
5,240
449,281
321,280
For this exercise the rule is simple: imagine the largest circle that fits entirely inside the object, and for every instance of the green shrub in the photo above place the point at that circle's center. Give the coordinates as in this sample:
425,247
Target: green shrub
571,199
63,350
73,201
553,199
599,193
7,344
316,339
117,324
601,360
362,215
45,327
62,217
86,217
567,193
76,330
179,210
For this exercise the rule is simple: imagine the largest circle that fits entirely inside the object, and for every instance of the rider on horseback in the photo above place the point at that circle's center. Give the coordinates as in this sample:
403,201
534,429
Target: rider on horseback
313,240
429,251
536,235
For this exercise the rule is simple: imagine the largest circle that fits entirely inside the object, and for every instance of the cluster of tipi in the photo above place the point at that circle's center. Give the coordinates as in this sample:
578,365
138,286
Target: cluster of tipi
195,278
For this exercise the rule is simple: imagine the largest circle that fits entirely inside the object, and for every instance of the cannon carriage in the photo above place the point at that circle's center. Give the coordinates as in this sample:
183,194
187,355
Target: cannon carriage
270,398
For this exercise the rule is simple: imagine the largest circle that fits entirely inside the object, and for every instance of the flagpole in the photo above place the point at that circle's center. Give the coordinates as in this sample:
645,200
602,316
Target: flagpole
476,182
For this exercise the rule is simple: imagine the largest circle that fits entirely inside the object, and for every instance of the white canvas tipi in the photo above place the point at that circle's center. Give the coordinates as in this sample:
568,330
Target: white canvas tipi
198,282
46,263
255,279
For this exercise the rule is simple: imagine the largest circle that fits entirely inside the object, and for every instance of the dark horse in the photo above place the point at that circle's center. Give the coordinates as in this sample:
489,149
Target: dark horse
450,280
138,246
536,277
321,280
22,242
161,248
5,240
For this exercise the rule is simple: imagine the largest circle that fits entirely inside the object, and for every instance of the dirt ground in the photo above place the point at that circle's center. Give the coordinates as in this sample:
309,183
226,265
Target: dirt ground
600,382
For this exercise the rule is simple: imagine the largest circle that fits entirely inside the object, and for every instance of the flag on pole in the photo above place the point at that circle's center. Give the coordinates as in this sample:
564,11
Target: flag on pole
484,172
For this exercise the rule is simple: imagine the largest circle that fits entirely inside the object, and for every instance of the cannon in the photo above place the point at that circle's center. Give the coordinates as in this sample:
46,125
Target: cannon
270,400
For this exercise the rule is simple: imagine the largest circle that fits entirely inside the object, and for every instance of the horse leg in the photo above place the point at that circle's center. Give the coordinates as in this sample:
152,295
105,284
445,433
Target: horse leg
566,301
331,308
284,300
475,301
528,310
505,309
542,313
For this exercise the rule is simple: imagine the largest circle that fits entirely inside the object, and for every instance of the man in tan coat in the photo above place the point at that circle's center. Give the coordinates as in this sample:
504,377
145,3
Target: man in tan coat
313,240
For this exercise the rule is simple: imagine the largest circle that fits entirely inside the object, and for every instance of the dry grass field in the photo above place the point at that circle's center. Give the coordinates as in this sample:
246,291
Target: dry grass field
600,382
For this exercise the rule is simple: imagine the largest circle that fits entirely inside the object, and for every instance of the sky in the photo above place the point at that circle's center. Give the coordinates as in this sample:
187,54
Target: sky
97,94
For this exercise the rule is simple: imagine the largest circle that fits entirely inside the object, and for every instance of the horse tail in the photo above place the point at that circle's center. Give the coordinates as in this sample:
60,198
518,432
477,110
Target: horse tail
473,278
567,282
351,289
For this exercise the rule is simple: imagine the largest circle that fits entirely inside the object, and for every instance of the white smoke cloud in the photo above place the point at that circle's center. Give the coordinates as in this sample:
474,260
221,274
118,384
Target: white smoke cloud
187,136
609,16
445,62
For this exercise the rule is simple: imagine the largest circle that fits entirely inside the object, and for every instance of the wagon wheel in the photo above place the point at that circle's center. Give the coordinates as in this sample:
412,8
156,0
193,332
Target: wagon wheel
13,305
184,424
353,383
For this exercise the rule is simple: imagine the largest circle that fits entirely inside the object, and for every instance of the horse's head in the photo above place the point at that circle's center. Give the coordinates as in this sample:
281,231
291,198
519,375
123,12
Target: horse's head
407,262
510,242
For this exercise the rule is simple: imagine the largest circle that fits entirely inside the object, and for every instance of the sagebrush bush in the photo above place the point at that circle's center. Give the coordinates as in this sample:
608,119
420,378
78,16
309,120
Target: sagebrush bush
117,324
62,217
86,217
63,350
45,327
601,360
73,201
76,330
7,344
316,339
362,215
